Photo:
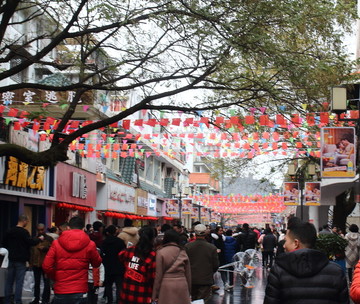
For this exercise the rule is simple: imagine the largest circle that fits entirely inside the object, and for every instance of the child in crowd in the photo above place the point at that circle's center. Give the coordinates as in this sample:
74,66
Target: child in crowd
95,280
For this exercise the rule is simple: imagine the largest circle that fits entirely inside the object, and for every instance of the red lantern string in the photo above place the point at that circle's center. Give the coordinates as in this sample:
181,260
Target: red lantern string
75,207
242,204
166,218
129,216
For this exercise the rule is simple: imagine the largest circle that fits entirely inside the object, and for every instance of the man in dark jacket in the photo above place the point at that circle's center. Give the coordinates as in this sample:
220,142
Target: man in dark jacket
18,242
67,263
247,239
97,235
229,252
183,236
269,244
204,263
305,275
218,239
114,270
37,257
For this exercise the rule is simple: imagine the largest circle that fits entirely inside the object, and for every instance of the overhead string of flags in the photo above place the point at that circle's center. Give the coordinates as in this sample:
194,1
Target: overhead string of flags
278,134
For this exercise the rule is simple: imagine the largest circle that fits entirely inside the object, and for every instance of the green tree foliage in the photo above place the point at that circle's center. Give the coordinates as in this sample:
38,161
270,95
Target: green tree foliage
332,245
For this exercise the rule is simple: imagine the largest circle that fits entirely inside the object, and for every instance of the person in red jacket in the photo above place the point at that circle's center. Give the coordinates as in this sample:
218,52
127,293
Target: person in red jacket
355,285
67,263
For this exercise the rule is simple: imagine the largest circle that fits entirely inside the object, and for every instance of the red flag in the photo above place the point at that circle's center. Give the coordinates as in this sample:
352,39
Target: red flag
219,120
139,122
249,120
205,121
126,124
280,120
324,117
13,112
176,121
310,119
151,122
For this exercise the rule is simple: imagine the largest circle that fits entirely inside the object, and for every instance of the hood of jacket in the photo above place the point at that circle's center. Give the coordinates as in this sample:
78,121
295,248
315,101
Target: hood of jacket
133,231
74,240
303,262
352,236
230,240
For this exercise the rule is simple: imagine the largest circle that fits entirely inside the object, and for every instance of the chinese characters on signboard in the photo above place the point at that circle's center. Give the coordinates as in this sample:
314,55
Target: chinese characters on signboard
31,96
79,187
20,174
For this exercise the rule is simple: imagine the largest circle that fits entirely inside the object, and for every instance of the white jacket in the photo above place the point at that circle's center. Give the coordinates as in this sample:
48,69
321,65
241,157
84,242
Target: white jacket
5,253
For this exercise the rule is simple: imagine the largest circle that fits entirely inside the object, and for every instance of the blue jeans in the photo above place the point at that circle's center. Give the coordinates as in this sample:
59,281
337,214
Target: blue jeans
70,298
16,273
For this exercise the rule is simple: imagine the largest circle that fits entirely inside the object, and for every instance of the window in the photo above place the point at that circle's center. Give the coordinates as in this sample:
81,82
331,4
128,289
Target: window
140,163
157,171
18,77
149,168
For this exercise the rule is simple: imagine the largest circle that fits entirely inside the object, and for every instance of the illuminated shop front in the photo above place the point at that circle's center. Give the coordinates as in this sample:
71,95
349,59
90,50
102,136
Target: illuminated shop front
24,189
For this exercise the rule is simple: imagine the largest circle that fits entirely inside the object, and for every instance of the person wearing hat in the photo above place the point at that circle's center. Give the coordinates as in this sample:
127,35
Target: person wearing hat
204,263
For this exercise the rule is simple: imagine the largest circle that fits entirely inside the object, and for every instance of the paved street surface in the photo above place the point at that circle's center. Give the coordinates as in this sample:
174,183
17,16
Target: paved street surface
238,295
241,294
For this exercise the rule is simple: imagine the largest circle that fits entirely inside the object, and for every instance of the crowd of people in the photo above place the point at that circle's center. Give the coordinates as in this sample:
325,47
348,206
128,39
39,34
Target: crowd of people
169,264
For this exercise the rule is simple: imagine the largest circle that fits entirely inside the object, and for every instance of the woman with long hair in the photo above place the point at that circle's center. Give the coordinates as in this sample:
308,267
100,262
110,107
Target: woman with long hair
139,266
173,273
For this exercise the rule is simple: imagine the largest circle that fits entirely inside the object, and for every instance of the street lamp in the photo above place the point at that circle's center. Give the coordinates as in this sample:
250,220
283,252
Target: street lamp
339,99
300,174
178,192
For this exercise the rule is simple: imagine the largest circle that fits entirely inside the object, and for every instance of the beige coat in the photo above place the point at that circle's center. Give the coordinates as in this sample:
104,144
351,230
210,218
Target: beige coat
130,235
352,249
173,275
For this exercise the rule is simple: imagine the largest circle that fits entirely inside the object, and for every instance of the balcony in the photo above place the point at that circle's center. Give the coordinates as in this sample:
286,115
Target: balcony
204,179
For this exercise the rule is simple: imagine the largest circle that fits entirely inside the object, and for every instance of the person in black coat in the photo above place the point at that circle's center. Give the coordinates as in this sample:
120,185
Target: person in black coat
247,239
269,244
218,240
18,242
305,275
114,270
230,251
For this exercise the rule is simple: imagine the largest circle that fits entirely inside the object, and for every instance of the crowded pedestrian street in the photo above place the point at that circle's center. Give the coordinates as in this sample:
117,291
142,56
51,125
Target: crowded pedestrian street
179,152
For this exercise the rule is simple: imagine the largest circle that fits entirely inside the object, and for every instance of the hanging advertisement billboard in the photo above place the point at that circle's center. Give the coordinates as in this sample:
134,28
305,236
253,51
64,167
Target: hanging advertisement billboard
338,152
186,205
312,194
291,194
